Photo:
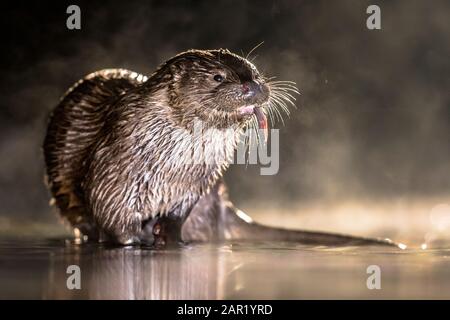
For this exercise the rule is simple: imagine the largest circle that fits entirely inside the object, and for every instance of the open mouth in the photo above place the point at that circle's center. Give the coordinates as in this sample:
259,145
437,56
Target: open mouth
260,117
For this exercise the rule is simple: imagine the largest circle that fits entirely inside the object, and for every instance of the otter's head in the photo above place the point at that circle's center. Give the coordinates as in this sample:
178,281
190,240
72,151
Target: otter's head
222,89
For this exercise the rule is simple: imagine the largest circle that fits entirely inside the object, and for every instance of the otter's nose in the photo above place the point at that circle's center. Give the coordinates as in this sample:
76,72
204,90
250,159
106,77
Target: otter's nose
251,89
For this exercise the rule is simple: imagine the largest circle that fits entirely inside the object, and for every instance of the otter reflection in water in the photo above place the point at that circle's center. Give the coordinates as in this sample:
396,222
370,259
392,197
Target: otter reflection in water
135,273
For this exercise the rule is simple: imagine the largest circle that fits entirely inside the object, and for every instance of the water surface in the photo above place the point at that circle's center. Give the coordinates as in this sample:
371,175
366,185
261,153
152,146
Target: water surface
36,269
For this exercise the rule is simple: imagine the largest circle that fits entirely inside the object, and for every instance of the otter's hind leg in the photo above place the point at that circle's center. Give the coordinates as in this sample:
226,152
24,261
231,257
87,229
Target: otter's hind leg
167,231
161,232
71,208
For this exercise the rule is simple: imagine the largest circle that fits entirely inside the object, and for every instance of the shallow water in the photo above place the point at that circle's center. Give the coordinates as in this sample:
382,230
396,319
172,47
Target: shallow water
36,269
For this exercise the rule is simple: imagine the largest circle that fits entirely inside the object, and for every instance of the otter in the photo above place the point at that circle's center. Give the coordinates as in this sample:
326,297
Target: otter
116,155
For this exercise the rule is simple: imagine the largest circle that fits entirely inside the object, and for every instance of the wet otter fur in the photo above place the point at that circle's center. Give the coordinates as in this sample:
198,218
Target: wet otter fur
117,160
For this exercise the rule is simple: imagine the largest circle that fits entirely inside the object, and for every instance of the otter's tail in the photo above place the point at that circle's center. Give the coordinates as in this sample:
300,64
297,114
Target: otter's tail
239,226
215,218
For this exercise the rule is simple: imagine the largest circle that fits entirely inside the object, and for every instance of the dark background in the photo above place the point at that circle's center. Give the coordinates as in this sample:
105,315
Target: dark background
373,121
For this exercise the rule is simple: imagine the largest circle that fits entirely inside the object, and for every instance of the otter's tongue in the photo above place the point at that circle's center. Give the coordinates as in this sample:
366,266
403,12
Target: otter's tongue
262,121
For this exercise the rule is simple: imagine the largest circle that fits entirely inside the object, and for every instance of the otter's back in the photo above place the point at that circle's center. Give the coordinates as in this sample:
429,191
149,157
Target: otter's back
72,130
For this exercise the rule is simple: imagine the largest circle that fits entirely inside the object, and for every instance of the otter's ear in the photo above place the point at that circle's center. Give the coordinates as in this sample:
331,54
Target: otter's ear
222,52
176,70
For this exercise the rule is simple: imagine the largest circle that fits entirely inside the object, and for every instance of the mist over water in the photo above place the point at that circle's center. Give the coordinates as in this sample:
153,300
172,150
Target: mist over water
372,124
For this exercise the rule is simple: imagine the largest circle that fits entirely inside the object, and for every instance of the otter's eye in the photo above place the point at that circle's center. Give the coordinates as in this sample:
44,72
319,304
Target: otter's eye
218,78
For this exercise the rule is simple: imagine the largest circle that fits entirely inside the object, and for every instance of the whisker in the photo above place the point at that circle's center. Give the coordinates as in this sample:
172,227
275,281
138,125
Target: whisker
277,112
287,88
283,83
254,48
285,97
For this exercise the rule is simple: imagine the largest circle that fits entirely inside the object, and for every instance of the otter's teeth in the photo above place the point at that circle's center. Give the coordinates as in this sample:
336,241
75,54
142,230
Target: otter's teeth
246,110
262,121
